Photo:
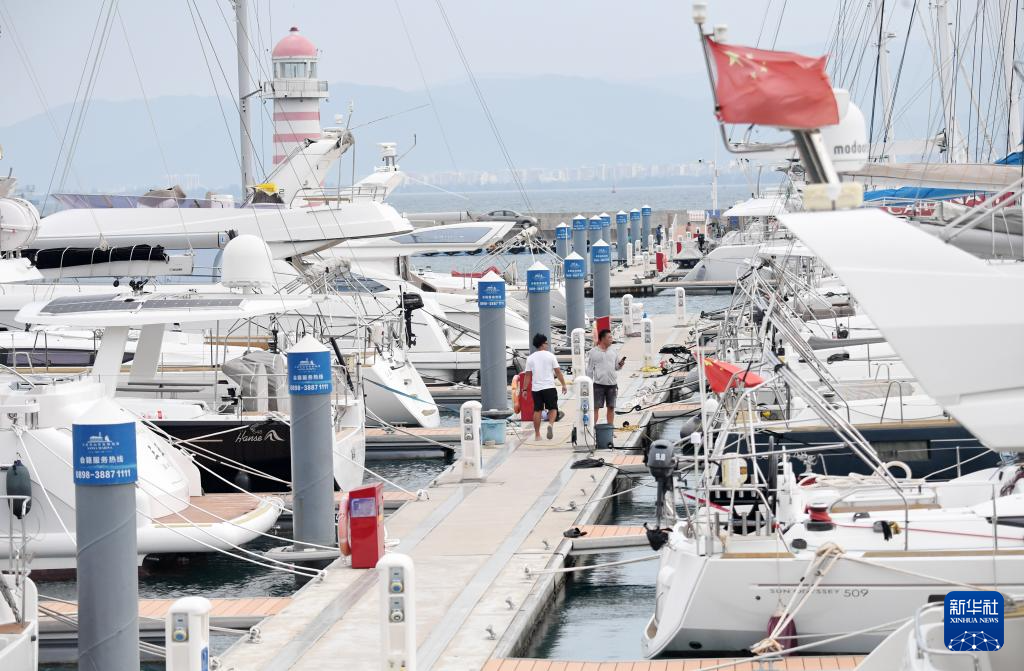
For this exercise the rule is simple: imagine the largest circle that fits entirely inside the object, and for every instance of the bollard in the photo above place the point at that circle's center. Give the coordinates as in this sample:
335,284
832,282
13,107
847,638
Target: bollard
472,451
312,447
593,235
493,373
579,235
105,473
634,229
538,290
606,227
563,240
621,238
637,251
583,425
636,311
645,225
647,333
398,612
574,305
627,315
187,635
645,264
629,253
601,257
578,347
680,305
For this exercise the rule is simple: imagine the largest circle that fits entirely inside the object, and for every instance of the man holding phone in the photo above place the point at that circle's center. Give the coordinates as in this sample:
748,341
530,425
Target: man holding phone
603,365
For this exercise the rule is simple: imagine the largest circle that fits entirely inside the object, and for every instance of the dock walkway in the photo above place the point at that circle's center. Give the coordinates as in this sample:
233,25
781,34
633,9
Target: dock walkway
472,543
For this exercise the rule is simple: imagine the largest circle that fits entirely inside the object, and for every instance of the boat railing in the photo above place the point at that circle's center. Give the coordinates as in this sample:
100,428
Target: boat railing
888,390
17,552
314,196
925,651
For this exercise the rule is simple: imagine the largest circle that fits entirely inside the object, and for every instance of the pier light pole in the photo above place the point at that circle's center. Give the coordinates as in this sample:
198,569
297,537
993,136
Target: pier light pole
645,226
621,237
310,387
601,260
563,240
575,271
105,473
538,288
493,372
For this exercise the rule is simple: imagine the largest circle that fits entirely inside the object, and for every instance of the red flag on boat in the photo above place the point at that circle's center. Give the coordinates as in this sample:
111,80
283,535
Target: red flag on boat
772,88
722,375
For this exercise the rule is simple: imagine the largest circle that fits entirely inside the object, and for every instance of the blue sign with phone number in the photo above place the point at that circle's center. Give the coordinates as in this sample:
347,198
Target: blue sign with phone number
491,294
309,373
104,454
538,281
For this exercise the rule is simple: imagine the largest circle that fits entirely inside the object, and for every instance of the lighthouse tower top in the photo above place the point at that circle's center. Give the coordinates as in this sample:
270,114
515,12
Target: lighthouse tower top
294,45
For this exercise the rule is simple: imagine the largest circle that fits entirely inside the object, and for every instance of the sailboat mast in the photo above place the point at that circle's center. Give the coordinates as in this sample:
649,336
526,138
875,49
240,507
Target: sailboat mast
886,154
954,150
244,82
1013,121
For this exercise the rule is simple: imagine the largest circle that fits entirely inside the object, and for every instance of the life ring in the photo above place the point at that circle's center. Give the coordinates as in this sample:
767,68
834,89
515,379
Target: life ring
515,394
344,538
899,464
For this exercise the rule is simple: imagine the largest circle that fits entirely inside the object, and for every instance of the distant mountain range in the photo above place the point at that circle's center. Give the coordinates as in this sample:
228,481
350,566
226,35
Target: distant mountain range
545,122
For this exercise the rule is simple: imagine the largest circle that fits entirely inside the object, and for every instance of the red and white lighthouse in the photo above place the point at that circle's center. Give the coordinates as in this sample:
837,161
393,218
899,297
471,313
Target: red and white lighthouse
296,92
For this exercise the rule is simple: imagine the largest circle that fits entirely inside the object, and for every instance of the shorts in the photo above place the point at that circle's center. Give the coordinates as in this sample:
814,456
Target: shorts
545,399
605,395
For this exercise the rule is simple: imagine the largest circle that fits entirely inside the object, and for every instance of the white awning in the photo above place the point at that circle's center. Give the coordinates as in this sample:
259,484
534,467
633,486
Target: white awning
757,207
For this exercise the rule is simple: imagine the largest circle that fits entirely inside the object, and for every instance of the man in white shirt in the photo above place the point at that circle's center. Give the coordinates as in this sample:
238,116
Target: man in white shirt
543,368
603,364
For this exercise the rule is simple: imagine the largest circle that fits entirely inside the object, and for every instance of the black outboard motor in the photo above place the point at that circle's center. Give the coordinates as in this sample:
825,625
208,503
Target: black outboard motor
410,302
661,462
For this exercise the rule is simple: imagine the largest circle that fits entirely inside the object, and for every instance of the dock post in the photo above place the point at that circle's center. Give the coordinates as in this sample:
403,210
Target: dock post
650,242
681,305
606,227
601,258
310,387
645,262
574,306
472,455
583,426
538,289
634,229
636,311
563,235
187,634
629,253
579,235
105,473
578,347
637,251
593,235
398,612
647,332
645,226
621,238
627,316
493,372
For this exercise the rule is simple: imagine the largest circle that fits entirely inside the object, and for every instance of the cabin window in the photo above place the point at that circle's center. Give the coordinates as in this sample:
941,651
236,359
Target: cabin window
902,450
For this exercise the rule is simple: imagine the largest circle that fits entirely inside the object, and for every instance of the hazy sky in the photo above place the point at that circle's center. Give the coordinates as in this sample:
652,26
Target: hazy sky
363,41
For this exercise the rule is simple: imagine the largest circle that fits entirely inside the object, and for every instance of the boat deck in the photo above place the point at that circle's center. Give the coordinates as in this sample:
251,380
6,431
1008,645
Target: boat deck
213,508
470,543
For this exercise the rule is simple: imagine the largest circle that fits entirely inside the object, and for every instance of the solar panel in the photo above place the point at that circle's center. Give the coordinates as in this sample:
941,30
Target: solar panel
68,304
178,303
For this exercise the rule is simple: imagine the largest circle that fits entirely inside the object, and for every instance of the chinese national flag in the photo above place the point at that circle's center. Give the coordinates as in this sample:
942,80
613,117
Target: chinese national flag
772,88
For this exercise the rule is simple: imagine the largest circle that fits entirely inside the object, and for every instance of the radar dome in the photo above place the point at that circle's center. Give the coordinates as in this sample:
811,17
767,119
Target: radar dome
247,263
